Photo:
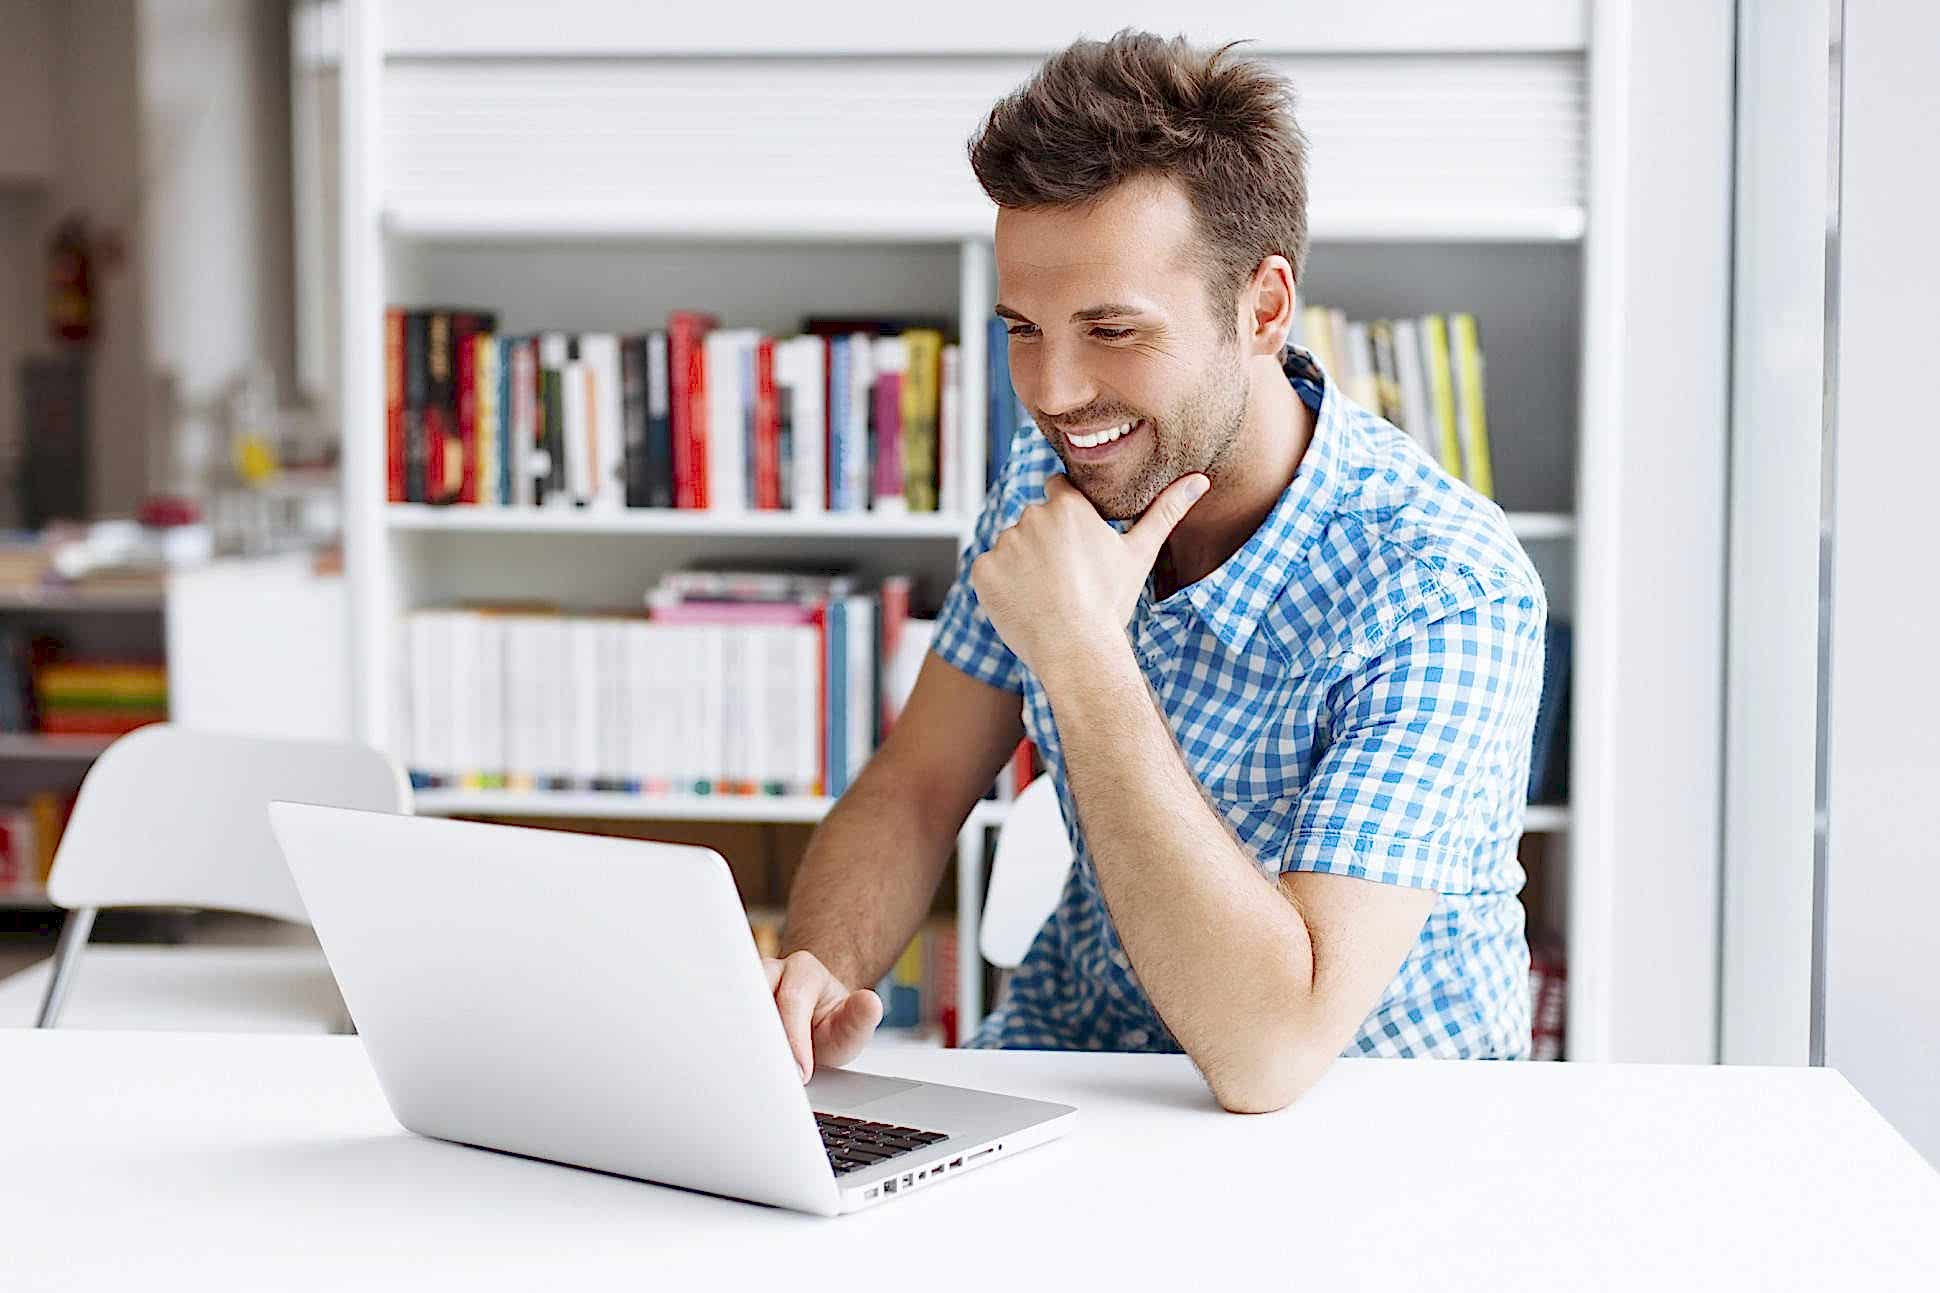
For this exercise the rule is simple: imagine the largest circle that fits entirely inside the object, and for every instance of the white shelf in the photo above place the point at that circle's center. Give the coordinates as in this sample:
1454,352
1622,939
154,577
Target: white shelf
57,599
649,808
467,518
733,220
38,745
1538,819
1542,525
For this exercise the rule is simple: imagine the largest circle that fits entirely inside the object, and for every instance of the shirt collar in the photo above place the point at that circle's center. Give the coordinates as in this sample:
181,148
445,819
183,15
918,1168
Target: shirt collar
1232,598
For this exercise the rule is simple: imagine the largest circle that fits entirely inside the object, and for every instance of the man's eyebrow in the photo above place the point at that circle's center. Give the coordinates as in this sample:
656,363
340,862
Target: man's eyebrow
1109,310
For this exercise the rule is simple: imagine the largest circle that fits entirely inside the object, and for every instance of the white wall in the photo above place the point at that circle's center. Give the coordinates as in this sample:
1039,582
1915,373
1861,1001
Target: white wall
215,113
1882,983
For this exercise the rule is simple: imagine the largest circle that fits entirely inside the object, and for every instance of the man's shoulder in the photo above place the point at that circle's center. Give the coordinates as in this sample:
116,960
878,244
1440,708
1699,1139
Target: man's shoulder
1403,544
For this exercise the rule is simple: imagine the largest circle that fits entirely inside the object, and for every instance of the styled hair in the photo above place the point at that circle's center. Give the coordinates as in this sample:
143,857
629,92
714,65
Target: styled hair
1099,113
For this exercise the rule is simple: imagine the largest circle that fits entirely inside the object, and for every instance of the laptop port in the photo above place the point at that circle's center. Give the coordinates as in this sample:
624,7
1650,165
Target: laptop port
909,1178
889,1186
869,1193
956,1162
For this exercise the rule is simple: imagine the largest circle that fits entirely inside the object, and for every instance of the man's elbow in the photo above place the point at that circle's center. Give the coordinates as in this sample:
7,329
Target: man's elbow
1270,1081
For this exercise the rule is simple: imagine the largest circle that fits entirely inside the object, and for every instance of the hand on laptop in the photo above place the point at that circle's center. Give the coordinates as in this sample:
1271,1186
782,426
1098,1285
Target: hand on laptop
827,1023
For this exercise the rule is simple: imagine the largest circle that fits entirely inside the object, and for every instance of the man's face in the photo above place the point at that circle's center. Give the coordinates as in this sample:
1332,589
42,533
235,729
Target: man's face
1110,325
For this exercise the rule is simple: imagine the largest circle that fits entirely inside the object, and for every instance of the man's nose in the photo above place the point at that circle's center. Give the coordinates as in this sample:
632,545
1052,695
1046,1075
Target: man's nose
1063,387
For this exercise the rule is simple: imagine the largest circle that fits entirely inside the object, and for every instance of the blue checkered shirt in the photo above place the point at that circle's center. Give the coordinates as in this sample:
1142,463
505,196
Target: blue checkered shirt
1355,689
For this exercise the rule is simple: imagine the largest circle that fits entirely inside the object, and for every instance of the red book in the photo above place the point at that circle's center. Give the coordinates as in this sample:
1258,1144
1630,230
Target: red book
687,410
98,722
440,414
767,429
394,405
894,615
464,328
886,428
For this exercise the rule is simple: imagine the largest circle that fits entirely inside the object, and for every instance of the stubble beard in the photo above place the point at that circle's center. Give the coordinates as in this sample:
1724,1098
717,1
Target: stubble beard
1201,434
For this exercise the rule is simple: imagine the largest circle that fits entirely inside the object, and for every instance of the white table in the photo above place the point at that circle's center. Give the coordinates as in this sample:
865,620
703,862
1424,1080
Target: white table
196,1161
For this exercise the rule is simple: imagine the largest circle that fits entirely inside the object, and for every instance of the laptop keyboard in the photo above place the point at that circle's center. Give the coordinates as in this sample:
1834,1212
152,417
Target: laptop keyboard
853,1144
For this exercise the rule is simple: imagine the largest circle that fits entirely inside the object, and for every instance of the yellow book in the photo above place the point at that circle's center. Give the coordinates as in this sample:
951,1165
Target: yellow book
1466,348
920,408
485,394
1317,332
1441,392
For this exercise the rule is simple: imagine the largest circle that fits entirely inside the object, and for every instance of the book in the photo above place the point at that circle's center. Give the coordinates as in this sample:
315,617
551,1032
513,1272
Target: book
886,426
395,489
1441,393
659,472
726,439
949,434
417,399
918,411
633,419
1000,412
1415,419
603,484
1465,349
688,416
460,453
767,429
485,375
801,373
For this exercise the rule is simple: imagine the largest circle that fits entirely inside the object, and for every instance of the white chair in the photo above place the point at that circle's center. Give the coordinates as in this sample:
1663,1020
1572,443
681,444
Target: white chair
1027,875
174,817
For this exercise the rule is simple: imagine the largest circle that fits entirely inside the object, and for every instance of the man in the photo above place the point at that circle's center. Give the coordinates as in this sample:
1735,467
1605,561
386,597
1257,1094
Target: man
1283,668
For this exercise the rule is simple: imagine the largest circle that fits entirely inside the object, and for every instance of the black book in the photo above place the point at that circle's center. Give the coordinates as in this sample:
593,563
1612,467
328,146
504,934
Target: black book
658,474
417,454
633,418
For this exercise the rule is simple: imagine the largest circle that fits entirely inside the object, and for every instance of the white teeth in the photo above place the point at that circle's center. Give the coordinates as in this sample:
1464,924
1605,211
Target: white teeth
1106,436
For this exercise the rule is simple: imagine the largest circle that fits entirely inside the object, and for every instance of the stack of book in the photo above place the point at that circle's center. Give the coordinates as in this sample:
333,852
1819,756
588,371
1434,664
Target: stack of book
1424,375
852,415
732,683
99,697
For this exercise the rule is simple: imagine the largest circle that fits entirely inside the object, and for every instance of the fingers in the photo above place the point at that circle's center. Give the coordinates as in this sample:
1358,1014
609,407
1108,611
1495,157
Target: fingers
1166,511
798,991
845,1030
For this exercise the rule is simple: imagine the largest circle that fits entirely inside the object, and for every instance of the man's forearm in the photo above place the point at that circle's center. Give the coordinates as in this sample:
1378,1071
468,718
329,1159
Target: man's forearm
868,877
1224,957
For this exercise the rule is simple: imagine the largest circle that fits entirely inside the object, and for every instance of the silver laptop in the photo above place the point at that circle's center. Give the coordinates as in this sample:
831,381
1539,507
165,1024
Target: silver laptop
600,1002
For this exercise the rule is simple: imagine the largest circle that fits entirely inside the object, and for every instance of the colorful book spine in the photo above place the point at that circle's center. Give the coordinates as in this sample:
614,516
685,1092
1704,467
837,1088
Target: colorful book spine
1441,393
919,409
395,490
1465,345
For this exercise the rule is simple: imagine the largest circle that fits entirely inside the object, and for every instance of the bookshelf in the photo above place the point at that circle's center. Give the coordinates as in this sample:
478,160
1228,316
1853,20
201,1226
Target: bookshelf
1514,160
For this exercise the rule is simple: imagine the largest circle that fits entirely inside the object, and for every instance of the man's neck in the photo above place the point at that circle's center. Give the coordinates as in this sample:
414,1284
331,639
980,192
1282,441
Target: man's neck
1278,428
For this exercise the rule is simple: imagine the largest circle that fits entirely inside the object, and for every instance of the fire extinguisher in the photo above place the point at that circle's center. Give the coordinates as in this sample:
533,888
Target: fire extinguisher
70,295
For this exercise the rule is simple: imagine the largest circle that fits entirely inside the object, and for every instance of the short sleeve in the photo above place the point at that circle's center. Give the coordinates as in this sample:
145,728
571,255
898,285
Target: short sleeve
1427,754
964,636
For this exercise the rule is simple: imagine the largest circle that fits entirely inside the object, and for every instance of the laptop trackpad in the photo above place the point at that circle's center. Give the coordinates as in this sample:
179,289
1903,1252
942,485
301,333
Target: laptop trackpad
833,1090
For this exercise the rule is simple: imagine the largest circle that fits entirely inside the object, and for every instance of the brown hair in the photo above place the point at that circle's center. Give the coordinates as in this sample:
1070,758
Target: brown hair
1101,112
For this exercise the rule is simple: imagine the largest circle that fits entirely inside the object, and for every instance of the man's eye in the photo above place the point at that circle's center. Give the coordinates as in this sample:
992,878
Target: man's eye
1111,334
1022,329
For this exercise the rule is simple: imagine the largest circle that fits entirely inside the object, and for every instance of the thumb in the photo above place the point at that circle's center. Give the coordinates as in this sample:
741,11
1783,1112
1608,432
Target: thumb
1165,513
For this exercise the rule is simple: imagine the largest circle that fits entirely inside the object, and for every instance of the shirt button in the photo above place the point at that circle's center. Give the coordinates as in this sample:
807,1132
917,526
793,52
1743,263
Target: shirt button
1137,1037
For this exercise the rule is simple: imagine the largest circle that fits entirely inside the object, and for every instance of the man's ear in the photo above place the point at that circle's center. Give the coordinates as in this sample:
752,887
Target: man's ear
1266,319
